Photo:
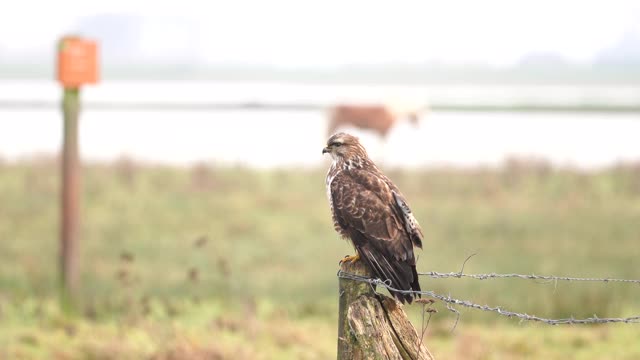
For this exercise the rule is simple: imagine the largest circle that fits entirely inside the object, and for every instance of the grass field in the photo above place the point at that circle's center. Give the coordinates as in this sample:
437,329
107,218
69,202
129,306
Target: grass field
212,262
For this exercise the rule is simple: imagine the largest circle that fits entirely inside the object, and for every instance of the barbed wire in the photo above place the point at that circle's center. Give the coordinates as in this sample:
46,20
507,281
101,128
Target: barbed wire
461,274
496,309
438,275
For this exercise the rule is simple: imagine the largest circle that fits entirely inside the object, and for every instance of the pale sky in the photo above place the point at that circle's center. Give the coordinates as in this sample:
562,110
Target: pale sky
311,33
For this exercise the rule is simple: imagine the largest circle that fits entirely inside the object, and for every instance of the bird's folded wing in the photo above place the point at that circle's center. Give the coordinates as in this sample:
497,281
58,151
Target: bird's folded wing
363,206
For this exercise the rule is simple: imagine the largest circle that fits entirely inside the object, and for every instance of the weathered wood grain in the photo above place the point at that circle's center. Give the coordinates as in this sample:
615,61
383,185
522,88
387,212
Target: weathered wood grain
374,326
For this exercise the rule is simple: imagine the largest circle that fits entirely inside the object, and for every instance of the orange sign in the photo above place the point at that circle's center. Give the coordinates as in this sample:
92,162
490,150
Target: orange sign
77,62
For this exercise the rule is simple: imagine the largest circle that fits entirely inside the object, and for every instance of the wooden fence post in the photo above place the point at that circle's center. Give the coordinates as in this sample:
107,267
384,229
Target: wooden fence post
70,199
371,325
77,65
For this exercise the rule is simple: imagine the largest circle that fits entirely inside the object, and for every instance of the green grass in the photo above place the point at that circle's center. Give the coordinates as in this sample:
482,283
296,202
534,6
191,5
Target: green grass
212,261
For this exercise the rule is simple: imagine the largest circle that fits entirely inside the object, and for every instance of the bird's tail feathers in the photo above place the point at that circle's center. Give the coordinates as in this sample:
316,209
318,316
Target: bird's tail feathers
399,275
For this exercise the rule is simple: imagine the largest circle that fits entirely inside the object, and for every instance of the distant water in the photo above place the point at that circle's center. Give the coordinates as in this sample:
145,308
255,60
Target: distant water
295,138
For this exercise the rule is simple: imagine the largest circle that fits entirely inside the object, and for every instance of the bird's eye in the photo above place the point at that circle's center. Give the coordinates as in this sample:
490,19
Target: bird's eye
337,144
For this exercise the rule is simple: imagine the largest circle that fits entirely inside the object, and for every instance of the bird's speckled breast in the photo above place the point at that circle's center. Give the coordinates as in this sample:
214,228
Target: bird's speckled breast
334,170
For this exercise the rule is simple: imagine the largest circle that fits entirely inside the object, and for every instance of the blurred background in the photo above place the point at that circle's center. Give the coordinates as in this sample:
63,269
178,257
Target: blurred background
512,128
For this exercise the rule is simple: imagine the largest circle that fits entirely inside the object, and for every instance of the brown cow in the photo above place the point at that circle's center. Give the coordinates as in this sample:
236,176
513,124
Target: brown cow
379,118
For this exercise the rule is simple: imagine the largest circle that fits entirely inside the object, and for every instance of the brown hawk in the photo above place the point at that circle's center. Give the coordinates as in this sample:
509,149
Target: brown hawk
368,209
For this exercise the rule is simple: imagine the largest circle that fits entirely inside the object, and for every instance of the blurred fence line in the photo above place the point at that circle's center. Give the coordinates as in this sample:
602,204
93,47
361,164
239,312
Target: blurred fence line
217,106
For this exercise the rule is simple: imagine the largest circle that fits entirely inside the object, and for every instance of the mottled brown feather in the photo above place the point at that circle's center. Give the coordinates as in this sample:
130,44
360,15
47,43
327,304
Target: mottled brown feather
368,209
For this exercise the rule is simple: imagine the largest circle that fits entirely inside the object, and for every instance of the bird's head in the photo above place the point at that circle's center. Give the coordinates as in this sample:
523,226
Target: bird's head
344,147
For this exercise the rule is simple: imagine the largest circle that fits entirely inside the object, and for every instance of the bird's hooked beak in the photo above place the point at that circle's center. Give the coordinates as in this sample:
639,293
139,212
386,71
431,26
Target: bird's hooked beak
326,150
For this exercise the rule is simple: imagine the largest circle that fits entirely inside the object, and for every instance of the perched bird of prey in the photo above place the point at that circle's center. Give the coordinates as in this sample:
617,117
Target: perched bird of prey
368,209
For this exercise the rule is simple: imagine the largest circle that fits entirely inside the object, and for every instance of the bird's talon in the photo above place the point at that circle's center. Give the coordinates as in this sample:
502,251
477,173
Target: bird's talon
350,259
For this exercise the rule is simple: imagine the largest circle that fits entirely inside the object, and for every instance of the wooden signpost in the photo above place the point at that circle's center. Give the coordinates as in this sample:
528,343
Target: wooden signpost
77,65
